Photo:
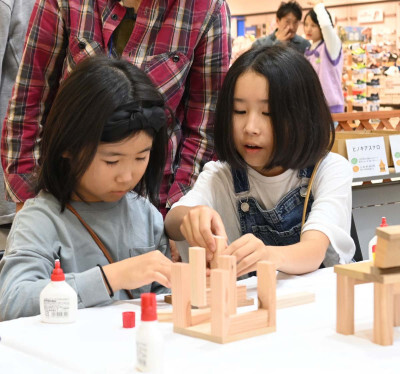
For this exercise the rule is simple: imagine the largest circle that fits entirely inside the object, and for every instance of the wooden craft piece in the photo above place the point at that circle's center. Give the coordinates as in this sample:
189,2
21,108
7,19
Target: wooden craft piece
385,275
224,327
228,263
387,252
197,261
220,244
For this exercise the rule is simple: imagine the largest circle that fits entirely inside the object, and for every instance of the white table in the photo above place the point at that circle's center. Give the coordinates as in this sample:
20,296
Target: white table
305,340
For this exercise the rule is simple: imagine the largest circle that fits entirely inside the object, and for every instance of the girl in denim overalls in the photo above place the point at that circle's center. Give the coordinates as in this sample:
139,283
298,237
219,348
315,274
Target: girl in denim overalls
272,128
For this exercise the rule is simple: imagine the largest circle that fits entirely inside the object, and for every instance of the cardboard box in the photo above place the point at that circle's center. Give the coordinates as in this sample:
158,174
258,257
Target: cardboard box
340,140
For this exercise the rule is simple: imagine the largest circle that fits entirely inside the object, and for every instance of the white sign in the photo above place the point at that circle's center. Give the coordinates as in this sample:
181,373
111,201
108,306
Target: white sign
370,15
367,156
395,147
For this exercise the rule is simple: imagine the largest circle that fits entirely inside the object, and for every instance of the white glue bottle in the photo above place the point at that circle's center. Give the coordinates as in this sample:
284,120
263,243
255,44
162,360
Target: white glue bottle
58,300
149,339
372,242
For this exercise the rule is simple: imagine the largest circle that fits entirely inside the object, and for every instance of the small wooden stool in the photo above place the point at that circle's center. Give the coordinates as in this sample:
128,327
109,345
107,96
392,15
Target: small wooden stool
386,300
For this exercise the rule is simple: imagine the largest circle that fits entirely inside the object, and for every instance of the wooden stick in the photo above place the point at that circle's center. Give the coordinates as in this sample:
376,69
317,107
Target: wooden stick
266,289
383,314
197,261
219,307
180,286
228,263
345,305
220,244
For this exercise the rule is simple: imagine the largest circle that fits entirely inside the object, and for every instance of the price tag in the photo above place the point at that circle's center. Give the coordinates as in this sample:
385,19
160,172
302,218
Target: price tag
395,147
367,156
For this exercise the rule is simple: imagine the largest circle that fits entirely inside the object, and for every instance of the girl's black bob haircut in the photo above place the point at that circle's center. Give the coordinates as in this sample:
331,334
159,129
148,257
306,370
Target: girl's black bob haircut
302,124
74,126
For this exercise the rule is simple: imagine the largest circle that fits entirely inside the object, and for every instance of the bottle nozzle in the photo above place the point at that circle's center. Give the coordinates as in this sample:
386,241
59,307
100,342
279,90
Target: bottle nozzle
384,222
58,274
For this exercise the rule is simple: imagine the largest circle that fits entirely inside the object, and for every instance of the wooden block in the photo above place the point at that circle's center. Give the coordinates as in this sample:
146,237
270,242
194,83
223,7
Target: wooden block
219,306
266,289
396,309
390,233
297,298
383,314
197,315
242,323
220,243
197,261
228,263
345,305
384,271
387,252
203,331
180,282
241,293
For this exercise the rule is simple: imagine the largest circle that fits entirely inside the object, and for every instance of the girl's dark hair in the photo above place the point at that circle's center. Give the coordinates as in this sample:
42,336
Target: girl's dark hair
314,18
302,123
289,7
74,127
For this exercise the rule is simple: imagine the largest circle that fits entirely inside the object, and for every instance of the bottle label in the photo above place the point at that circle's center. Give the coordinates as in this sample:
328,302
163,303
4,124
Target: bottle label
56,307
141,352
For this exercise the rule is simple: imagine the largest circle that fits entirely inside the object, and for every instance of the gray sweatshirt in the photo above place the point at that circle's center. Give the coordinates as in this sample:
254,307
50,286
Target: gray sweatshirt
41,234
14,20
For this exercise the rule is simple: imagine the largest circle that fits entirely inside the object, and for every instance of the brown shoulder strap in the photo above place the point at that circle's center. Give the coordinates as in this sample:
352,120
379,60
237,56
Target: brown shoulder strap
310,183
96,239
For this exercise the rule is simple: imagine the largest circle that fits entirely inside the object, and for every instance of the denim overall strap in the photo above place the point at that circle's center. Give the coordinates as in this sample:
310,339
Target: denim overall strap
278,226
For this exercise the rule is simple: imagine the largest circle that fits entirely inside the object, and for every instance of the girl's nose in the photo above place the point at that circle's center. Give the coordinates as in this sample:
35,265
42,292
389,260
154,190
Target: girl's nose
252,126
125,177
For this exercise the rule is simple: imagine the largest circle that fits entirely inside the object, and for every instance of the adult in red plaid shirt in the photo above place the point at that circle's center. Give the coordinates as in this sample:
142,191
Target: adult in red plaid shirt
183,45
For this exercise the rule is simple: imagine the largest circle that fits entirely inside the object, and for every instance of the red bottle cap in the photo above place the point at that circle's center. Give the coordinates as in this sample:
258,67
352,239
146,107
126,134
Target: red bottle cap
384,223
58,274
128,320
149,307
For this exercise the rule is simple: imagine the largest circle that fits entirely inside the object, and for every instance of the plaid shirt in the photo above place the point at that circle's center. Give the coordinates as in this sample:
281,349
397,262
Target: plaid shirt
184,47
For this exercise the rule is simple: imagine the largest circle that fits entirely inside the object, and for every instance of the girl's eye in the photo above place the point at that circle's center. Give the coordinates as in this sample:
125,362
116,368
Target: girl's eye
111,163
239,111
141,159
266,113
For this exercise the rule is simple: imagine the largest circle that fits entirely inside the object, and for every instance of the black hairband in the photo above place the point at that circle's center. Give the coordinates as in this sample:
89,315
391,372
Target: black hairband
131,117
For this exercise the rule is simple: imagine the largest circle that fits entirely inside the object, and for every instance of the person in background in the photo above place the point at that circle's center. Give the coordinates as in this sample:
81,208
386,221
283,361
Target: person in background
325,54
102,159
288,18
273,139
14,19
184,47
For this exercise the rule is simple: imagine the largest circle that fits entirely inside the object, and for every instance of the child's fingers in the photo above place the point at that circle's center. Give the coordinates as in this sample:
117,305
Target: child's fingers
218,226
186,230
248,264
162,279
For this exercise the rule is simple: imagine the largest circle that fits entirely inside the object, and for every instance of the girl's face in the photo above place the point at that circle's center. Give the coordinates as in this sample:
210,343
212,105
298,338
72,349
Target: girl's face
312,30
116,169
253,133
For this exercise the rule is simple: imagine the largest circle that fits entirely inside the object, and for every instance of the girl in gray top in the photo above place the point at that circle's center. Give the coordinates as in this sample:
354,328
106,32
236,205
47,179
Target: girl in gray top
102,156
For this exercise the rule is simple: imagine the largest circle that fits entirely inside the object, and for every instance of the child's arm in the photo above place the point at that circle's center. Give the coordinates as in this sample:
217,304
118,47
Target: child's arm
332,40
196,224
299,258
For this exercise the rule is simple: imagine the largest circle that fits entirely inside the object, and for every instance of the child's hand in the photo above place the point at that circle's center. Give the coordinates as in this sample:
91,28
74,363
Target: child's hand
198,227
138,271
248,250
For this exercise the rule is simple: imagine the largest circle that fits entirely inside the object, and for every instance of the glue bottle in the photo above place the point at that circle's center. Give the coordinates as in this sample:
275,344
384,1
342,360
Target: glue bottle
58,300
149,339
372,242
